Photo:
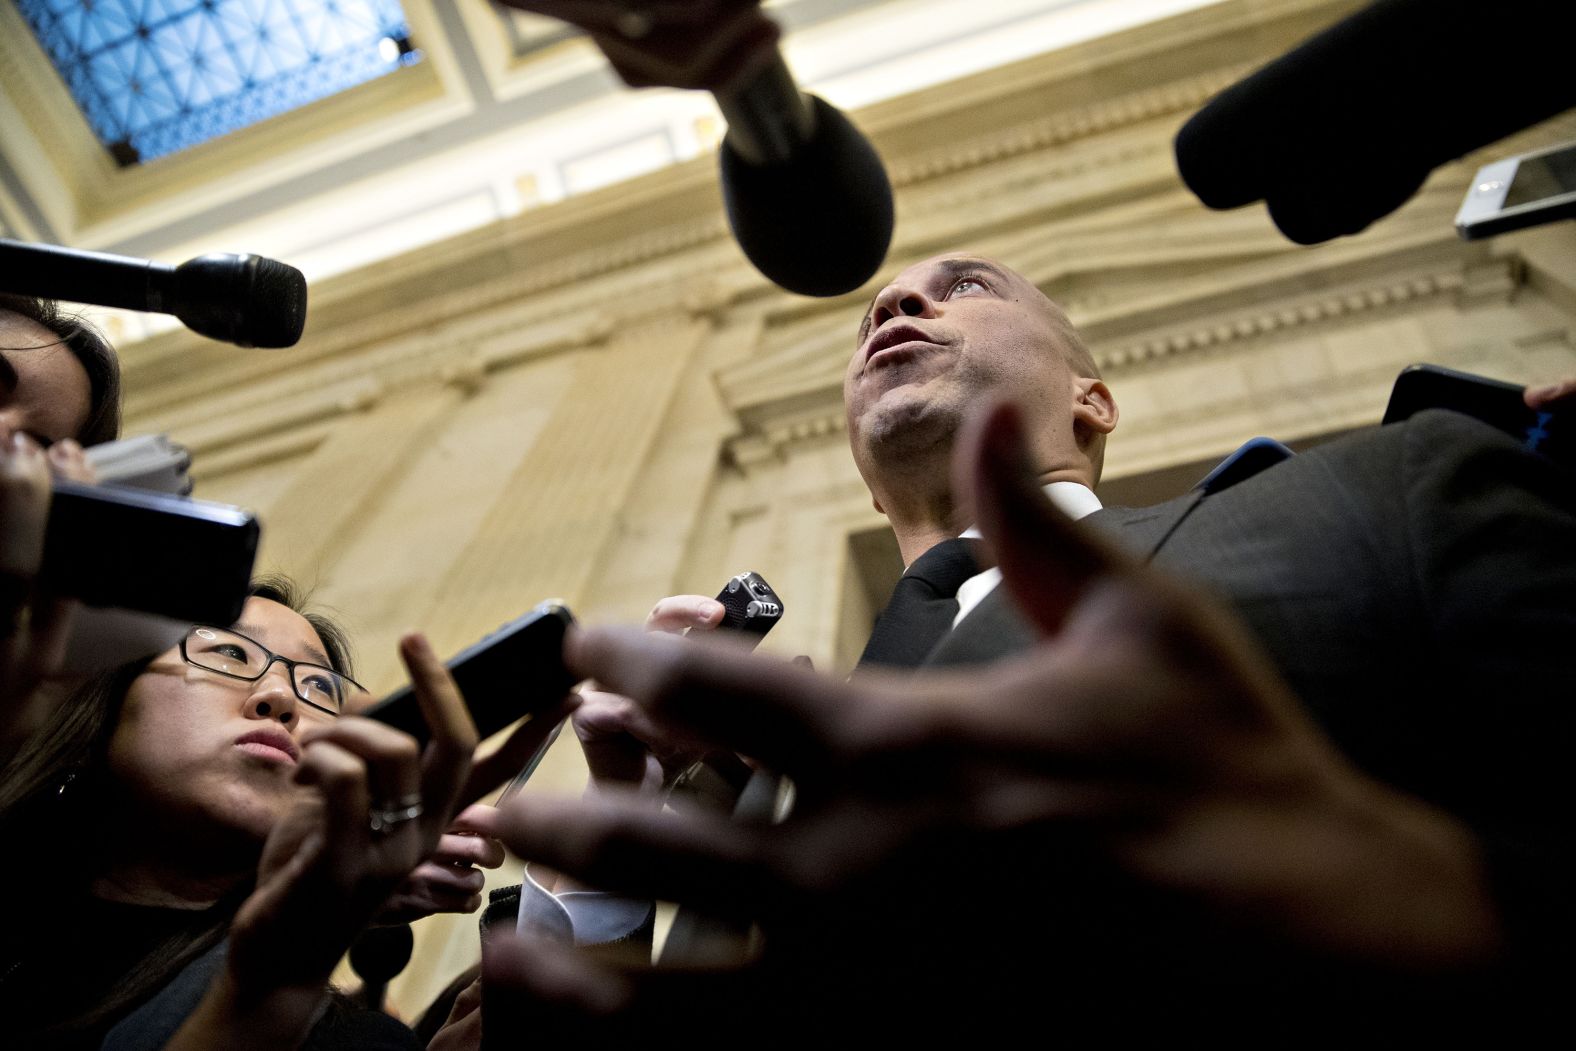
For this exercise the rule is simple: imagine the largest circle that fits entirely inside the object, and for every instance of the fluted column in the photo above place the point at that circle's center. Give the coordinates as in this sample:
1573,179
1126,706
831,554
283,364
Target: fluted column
339,484
562,507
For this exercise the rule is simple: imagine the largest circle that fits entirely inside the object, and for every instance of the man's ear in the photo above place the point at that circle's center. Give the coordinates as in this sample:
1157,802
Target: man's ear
1093,406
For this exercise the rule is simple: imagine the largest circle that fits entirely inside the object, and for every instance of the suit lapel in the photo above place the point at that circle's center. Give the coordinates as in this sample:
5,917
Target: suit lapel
1143,531
993,629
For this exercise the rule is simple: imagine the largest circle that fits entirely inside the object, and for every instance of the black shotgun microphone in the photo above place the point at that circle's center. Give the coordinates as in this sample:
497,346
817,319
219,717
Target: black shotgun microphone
807,195
241,299
1345,128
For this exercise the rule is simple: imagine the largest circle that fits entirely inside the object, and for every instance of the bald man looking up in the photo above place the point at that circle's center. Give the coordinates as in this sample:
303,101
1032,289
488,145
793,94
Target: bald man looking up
943,337
1412,583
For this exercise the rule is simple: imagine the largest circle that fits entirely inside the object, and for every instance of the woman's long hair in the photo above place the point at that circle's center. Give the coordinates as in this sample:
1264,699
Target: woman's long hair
92,350
58,779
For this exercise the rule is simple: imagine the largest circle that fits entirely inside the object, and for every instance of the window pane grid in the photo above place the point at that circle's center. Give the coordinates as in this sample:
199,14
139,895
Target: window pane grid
156,76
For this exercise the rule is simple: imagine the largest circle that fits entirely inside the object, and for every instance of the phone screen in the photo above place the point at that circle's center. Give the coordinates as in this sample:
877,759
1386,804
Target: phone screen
514,672
1539,178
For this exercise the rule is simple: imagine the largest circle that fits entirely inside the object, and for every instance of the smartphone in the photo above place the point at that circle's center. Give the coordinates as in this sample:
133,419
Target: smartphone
1495,402
1534,188
190,560
517,670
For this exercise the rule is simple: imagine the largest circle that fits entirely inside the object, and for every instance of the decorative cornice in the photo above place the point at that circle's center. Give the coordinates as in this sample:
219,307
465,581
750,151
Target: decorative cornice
477,283
1063,128
1496,277
807,416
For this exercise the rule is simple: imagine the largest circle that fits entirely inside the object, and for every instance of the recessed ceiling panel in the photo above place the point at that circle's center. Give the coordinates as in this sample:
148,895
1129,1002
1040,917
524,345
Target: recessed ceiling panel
156,76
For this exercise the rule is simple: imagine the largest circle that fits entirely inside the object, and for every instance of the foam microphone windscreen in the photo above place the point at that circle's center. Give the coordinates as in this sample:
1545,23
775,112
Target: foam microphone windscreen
1346,127
820,223
244,299
381,953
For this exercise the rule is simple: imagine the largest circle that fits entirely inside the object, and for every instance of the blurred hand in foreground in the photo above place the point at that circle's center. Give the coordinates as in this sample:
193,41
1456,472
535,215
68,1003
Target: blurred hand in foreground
34,627
707,44
1137,803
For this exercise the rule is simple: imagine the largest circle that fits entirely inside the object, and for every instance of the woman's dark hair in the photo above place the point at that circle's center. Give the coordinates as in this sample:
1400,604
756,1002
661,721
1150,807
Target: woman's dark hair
336,646
95,354
57,779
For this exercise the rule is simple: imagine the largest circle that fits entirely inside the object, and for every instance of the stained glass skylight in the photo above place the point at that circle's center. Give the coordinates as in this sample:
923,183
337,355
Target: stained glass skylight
157,76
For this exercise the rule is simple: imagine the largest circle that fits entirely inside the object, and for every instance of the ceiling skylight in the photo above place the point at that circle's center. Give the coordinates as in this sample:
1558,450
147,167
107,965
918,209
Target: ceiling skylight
156,76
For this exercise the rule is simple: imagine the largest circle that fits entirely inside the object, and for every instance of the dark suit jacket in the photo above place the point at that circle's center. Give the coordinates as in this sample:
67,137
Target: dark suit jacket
1416,586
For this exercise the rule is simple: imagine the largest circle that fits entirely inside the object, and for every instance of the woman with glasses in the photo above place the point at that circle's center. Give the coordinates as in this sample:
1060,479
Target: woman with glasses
193,841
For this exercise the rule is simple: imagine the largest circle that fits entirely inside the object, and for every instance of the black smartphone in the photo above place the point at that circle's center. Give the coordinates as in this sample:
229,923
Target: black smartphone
1495,402
186,559
753,608
517,670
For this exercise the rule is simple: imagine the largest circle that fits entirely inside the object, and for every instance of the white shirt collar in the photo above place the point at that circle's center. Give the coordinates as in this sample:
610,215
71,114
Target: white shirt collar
1073,499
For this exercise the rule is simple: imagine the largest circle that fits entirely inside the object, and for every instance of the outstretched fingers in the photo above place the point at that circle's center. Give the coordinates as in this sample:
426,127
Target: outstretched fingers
509,758
617,843
447,760
1047,562
678,613
720,697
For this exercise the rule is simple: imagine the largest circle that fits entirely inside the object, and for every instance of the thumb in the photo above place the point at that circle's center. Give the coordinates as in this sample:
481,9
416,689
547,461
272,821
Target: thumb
1047,562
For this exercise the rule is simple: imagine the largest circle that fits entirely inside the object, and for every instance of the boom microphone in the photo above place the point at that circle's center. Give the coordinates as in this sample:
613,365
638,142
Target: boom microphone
806,194
241,299
1346,127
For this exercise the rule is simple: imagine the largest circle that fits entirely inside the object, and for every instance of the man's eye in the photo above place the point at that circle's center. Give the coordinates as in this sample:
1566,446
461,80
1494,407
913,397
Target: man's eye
967,286
232,651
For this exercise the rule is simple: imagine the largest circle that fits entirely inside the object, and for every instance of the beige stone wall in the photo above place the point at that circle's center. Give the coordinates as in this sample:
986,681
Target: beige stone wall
600,401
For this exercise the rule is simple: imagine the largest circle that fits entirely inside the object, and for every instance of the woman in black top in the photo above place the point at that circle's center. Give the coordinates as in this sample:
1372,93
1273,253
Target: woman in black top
194,840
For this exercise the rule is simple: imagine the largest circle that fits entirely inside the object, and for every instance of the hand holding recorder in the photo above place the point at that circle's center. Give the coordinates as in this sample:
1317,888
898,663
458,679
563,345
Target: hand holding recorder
34,624
674,43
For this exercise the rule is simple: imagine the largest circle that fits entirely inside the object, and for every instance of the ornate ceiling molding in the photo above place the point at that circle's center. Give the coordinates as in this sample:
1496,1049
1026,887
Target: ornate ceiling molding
1064,128
810,413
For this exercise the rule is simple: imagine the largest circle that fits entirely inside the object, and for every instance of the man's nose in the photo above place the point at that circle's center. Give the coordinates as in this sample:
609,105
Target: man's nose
900,301
273,696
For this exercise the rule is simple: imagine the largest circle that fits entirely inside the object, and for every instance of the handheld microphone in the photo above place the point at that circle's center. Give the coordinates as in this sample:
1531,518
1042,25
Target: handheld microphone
378,956
241,299
806,194
1345,128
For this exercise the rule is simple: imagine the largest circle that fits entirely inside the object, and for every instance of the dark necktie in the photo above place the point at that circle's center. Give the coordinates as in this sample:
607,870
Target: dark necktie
922,606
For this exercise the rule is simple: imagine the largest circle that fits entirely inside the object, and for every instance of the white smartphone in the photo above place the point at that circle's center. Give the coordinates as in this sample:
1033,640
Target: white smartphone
1534,188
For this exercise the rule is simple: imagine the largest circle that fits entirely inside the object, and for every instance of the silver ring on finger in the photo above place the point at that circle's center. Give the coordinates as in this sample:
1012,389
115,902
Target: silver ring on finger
383,820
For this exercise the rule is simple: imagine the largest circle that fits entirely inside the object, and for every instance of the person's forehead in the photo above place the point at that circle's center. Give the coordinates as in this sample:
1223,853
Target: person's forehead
23,333
282,630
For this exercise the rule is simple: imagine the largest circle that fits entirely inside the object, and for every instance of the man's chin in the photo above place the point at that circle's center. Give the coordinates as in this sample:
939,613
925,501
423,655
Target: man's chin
907,422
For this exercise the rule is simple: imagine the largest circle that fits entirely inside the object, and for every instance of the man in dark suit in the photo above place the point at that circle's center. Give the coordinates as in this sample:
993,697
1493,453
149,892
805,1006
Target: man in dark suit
1373,816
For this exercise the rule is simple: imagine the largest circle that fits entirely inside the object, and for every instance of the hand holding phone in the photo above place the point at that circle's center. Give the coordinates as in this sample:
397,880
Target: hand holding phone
516,671
190,560
1497,403
1535,188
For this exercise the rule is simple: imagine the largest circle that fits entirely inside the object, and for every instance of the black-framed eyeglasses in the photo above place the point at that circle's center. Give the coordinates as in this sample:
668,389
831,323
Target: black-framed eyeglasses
231,654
